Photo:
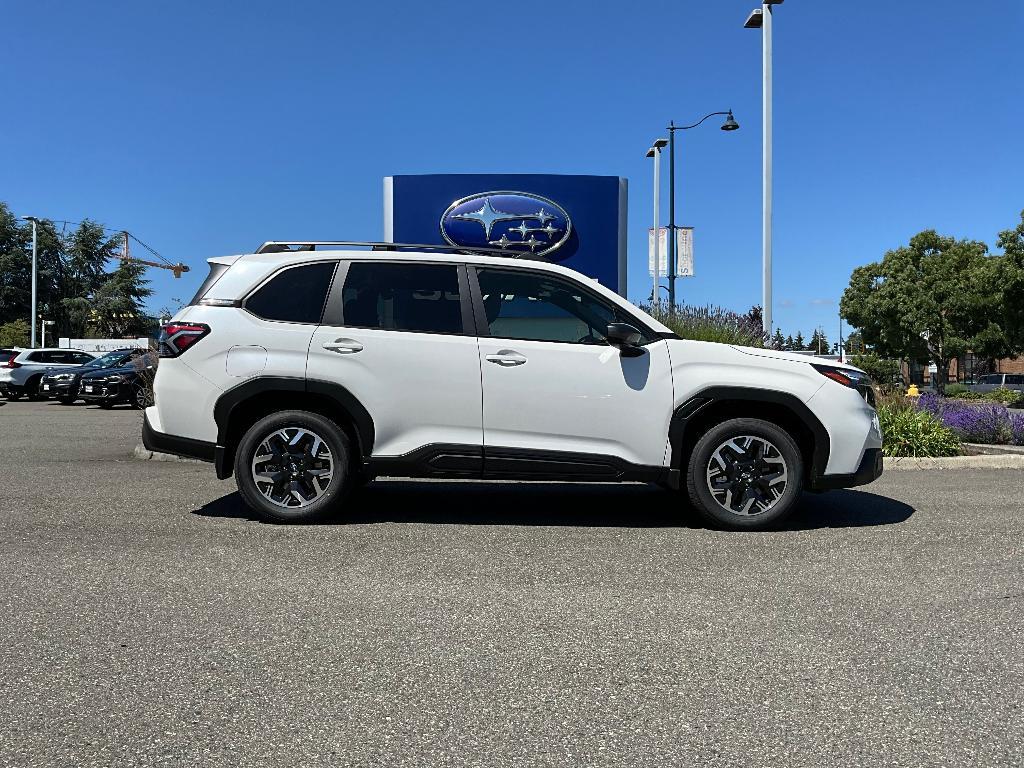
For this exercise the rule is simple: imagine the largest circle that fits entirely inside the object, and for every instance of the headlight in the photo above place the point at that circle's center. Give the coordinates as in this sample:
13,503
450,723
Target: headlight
115,379
64,377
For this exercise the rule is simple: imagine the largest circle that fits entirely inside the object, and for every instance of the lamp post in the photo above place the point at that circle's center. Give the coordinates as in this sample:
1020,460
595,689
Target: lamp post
655,153
35,223
728,125
761,18
43,324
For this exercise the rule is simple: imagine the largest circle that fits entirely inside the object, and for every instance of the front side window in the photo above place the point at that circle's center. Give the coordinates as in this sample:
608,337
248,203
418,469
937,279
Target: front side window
541,307
992,379
423,298
295,295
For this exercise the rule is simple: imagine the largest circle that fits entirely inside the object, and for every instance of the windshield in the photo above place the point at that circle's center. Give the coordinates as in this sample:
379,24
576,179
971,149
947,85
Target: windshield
108,360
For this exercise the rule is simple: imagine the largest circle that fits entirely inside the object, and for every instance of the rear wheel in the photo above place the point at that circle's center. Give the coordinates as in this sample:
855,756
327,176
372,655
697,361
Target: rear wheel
745,474
293,467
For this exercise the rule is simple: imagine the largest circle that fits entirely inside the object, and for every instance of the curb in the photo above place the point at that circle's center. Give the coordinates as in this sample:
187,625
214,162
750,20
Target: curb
976,449
143,454
1004,461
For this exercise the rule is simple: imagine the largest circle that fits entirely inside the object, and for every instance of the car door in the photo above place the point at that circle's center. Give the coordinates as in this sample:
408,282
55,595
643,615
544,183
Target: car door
553,389
398,336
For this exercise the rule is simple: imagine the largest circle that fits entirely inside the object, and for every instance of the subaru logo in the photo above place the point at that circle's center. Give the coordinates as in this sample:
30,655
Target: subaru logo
518,222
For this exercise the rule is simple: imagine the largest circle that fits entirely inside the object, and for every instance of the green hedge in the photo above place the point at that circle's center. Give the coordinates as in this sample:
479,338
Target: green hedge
910,432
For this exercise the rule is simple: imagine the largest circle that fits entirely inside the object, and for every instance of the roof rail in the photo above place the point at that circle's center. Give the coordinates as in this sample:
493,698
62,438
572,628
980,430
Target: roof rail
278,246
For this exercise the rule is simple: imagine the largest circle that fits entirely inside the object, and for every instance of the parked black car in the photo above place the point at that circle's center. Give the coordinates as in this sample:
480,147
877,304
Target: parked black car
63,383
126,384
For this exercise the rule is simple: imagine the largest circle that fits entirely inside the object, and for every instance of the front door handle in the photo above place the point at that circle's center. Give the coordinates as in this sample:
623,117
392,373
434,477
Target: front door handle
506,358
343,346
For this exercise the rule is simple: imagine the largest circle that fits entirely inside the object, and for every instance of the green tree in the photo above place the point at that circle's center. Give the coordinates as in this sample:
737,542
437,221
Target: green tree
778,342
798,341
789,344
115,308
1012,280
14,334
854,344
15,267
930,301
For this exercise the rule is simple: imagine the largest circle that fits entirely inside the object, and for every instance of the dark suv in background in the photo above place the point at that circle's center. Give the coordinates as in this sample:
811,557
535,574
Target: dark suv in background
128,383
63,383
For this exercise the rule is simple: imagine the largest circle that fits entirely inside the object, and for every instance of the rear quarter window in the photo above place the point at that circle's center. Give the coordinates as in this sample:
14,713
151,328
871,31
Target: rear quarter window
216,271
294,295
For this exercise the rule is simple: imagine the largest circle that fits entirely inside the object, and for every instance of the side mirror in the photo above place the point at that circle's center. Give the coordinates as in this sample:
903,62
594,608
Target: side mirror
626,338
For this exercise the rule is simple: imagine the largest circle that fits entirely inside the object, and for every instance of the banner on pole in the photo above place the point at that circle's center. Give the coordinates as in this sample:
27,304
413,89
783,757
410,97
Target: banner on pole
684,251
662,251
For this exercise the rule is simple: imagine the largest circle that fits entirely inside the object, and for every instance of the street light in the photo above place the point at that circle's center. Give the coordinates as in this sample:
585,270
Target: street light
35,223
43,324
729,125
655,153
761,18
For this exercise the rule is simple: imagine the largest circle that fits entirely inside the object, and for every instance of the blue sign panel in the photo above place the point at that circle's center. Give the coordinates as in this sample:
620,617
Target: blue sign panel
577,221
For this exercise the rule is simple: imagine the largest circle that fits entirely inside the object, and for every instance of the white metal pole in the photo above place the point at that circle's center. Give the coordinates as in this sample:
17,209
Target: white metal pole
657,254
34,253
766,170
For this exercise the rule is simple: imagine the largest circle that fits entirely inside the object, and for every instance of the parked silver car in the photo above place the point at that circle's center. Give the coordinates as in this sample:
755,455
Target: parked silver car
20,375
991,381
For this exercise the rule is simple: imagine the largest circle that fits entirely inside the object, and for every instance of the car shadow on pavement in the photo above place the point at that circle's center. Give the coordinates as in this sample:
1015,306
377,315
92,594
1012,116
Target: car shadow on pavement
567,504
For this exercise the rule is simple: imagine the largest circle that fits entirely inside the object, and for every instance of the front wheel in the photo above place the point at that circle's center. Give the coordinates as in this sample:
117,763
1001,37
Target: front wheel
293,467
141,398
745,474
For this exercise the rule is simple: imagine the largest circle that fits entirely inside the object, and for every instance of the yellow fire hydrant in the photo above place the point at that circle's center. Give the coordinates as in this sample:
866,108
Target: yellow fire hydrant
912,391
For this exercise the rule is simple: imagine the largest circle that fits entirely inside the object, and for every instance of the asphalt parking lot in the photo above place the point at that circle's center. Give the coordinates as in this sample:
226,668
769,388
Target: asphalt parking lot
149,619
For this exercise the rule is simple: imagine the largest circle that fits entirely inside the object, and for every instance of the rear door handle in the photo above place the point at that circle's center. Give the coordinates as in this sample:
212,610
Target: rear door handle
343,346
506,358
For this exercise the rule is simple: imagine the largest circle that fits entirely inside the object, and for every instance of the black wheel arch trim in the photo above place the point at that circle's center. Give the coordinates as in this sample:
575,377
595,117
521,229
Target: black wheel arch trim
238,395
706,397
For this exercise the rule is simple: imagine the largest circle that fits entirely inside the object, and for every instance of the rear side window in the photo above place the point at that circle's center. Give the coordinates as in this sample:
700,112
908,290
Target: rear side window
1015,380
296,295
403,297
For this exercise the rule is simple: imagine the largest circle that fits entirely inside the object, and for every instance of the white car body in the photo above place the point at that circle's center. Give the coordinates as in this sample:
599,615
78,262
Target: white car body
436,400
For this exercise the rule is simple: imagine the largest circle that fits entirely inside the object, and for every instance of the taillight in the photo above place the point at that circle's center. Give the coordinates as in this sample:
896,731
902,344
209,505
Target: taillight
10,363
175,338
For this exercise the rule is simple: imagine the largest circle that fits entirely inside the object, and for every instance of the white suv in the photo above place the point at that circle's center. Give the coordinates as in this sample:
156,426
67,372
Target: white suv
304,372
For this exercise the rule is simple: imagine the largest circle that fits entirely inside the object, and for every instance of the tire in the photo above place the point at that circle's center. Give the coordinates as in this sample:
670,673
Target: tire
32,388
746,474
141,399
298,494
13,394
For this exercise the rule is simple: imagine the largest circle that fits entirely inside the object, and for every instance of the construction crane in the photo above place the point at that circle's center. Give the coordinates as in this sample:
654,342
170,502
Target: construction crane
176,269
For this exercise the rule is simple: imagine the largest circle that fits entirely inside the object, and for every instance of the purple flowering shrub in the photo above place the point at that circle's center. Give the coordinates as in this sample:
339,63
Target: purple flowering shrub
975,423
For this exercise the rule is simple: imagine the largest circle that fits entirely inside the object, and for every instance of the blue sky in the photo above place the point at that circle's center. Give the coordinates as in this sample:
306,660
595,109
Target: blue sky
207,128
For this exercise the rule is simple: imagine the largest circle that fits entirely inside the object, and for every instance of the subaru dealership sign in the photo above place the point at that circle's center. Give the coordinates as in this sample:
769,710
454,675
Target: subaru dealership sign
577,221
